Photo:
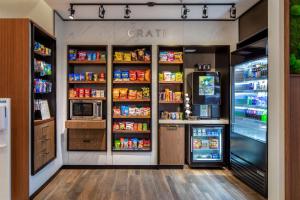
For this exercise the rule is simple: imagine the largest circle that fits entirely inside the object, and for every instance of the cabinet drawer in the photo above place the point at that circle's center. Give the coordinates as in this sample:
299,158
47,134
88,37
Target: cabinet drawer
171,144
86,140
44,143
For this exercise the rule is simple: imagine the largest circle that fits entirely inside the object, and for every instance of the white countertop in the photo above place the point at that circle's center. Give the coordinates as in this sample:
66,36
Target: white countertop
202,121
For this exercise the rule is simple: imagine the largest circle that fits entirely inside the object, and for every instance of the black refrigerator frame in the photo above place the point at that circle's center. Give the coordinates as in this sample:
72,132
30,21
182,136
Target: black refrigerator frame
249,157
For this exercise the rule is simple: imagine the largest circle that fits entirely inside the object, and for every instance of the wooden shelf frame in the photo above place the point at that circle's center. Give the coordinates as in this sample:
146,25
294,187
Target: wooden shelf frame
87,62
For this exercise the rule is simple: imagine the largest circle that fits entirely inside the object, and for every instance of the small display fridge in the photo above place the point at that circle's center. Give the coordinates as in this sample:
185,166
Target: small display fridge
206,146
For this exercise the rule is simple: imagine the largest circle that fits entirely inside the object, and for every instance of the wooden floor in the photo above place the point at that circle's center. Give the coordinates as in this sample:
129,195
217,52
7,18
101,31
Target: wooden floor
146,184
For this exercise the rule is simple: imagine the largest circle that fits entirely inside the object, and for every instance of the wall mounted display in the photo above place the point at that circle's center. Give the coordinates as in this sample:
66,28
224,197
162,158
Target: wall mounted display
87,92
131,98
43,99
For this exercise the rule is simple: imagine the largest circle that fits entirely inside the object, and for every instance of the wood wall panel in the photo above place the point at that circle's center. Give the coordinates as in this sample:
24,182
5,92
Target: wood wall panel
14,84
293,164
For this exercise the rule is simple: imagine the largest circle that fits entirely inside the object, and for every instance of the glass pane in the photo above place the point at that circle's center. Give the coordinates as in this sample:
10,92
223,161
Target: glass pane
250,99
207,143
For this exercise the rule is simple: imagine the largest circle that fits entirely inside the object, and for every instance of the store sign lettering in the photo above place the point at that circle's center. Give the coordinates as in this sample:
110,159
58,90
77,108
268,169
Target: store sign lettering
142,33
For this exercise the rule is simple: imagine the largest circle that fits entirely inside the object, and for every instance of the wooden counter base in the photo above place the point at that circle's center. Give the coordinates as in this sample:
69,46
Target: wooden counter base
85,124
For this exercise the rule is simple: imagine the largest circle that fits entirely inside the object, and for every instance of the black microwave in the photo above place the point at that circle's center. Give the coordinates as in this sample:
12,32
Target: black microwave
86,109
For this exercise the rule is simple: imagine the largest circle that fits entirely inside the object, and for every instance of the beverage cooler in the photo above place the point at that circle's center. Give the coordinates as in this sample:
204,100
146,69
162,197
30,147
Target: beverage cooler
206,146
249,115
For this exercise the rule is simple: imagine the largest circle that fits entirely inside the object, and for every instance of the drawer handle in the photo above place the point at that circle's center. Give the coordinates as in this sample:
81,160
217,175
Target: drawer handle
86,141
172,127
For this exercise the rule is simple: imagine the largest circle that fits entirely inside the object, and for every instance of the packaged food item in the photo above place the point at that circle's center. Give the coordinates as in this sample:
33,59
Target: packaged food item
148,75
122,125
173,76
122,143
125,75
171,56
76,77
163,56
134,56
135,126
81,55
145,126
140,75
89,76
93,93
71,77
102,93
129,125
139,95
116,93
178,76
127,56
124,110
147,56
141,144
132,111
98,93
177,96
89,56
125,143
117,75
132,75
134,143
141,54
98,55
116,111
178,56
101,76
167,76
82,77
119,56
87,92
72,54
139,111
130,144
160,76
132,94
117,144
81,92
103,57
147,111
146,92
123,93
140,126
116,126
95,77
72,93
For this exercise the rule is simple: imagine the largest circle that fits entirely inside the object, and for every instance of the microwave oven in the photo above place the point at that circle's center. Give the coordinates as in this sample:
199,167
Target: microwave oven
86,109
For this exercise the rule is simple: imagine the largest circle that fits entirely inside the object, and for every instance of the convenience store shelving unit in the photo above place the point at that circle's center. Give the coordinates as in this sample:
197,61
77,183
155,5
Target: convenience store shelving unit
131,65
85,135
43,132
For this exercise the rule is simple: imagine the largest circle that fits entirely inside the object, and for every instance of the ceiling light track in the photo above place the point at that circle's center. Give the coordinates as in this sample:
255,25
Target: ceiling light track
152,4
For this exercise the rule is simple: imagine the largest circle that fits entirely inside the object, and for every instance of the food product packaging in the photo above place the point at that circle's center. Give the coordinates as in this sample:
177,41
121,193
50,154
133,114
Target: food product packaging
140,75
163,56
148,75
127,56
178,77
123,93
132,94
125,75
132,75
119,56
167,76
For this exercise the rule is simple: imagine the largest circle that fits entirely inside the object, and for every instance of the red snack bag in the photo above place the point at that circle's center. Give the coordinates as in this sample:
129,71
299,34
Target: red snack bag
87,92
140,75
130,144
132,75
81,92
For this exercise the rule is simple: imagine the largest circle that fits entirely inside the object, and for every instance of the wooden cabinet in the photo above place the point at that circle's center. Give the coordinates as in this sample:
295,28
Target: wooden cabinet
171,144
44,144
87,140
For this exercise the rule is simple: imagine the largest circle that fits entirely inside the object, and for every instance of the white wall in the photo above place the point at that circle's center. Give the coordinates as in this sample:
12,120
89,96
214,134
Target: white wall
36,181
276,91
37,10
116,33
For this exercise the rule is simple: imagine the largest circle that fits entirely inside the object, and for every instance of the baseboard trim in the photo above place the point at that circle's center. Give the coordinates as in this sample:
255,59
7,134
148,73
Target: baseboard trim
45,184
110,167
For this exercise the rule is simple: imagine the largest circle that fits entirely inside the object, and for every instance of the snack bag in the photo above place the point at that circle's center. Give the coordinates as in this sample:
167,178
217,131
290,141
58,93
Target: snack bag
171,56
72,54
161,76
135,126
134,143
117,75
124,110
127,56
177,96
116,111
116,93
122,143
163,56
123,93
125,143
178,56
147,56
132,75
140,75
140,126
141,144
139,95
132,94
148,75
167,76
122,125
119,56
145,126
125,75
141,54
116,126
130,144
178,76
146,92
134,56
117,144
81,55
132,111
129,125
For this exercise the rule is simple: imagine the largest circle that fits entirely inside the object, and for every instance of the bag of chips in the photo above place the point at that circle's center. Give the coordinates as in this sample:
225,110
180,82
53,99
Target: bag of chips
116,93
127,56
132,94
132,75
140,75
123,93
148,75
119,56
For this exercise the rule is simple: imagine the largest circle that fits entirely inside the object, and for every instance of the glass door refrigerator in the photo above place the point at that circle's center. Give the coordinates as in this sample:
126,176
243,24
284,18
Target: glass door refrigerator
206,144
249,115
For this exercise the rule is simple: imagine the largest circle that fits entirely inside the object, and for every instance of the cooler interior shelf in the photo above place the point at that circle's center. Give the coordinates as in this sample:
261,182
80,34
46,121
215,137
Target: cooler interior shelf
131,132
87,82
86,62
87,98
132,62
131,100
131,82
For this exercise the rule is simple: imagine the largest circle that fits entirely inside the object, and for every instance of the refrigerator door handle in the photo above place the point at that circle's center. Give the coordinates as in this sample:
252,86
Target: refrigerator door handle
192,144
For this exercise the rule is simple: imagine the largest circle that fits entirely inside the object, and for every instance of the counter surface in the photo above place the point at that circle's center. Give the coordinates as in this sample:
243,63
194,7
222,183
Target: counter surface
204,121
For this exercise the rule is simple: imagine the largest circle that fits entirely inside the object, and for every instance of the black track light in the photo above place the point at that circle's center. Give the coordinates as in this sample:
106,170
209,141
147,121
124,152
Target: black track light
127,12
72,12
101,12
184,12
233,11
204,12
